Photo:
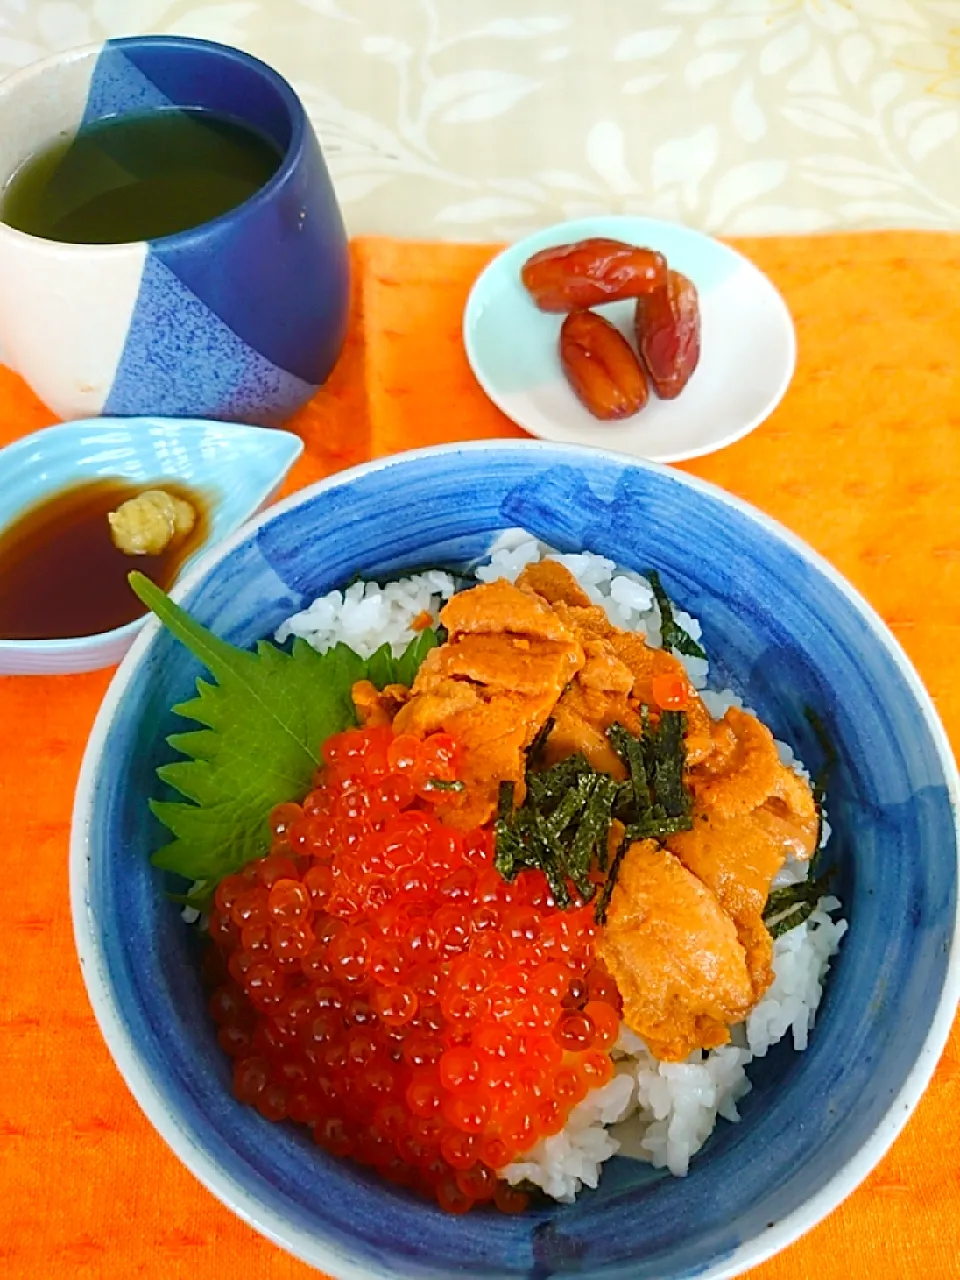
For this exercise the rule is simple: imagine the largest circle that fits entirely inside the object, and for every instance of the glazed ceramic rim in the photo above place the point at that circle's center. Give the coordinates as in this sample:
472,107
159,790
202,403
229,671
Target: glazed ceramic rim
577,228
296,112
89,647
228,1190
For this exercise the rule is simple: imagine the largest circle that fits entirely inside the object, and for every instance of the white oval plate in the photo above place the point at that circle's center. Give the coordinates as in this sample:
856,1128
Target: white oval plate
748,347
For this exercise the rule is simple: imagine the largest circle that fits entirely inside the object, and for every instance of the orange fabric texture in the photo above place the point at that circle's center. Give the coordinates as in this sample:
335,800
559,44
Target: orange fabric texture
862,459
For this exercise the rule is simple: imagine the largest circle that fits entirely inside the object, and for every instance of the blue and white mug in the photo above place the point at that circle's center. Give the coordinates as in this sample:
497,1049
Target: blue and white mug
241,318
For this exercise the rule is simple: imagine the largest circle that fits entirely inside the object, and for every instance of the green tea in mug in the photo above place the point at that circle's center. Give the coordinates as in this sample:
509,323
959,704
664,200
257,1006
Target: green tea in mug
138,177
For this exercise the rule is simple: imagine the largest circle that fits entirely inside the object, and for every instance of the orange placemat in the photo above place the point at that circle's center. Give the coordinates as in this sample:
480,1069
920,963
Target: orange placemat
862,459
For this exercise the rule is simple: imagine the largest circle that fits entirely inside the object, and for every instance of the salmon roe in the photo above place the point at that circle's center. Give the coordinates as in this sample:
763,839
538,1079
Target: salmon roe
670,692
380,982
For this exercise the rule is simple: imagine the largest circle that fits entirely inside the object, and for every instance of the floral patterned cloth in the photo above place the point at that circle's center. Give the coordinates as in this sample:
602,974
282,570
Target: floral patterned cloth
483,119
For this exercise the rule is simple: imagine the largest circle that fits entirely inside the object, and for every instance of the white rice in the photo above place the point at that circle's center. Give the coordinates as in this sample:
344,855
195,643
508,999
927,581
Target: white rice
366,615
655,1111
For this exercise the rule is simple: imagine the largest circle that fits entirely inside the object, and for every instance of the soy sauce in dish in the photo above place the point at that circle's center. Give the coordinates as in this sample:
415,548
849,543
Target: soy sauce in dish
62,576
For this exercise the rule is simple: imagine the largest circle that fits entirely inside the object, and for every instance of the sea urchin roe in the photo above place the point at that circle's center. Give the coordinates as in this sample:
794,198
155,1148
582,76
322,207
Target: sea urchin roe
391,991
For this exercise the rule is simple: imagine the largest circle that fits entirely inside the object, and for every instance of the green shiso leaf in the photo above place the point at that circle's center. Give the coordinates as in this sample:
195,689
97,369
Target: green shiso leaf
264,721
408,664
383,668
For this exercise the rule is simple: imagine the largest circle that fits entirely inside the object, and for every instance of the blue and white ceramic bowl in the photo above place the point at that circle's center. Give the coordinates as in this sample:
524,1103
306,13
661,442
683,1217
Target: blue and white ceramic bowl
779,624
241,318
237,469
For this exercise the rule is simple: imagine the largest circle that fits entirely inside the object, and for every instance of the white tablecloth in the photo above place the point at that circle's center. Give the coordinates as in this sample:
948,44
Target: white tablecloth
475,119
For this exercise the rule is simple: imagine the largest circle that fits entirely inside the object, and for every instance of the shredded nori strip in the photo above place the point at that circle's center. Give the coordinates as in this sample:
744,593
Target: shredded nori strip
665,753
788,907
536,747
655,763
592,834
822,776
603,902
505,794
508,847
630,751
661,803
548,787
553,868
563,826
673,636
572,803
